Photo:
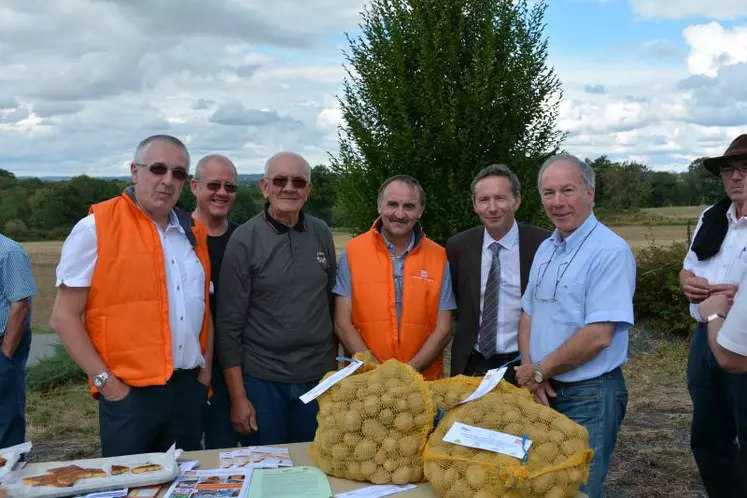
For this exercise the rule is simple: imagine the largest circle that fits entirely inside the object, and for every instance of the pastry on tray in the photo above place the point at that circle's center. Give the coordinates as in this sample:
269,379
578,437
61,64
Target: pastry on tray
63,477
120,469
3,461
150,467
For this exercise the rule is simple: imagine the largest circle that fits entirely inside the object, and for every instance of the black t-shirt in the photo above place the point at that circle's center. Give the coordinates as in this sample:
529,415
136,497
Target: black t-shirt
216,249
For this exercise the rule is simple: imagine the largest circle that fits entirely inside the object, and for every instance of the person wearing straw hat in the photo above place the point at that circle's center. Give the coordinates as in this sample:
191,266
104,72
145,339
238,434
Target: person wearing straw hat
713,266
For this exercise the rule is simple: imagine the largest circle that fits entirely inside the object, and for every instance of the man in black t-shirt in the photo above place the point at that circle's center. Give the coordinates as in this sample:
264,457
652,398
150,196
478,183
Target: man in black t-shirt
214,186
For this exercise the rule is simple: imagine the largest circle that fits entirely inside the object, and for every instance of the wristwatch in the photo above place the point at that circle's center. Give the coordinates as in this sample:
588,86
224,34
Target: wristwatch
100,380
539,377
714,316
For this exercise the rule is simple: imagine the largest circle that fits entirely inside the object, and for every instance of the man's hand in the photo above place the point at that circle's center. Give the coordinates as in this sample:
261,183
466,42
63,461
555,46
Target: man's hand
114,389
204,377
716,303
728,290
243,416
543,393
696,289
6,349
525,375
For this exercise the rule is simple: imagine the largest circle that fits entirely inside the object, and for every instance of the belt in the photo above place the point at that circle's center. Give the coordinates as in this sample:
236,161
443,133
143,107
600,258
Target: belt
561,383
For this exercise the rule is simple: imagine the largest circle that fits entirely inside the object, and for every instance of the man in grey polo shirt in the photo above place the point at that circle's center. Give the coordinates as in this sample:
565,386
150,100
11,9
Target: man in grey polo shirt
274,335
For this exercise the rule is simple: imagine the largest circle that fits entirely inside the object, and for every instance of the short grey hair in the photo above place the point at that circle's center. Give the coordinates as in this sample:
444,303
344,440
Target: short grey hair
587,172
306,165
497,170
407,179
203,162
142,148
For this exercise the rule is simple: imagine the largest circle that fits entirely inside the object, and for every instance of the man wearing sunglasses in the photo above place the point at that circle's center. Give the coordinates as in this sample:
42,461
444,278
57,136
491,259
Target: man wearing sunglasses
274,327
393,289
578,309
214,186
713,266
132,307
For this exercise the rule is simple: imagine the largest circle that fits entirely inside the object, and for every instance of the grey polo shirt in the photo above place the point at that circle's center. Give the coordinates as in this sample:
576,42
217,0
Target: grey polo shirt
274,305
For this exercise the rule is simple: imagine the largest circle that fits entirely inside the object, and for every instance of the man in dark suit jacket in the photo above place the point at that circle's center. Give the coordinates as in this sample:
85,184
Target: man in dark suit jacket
490,266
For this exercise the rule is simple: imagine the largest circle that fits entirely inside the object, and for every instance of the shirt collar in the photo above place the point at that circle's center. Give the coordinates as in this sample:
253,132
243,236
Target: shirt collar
506,242
174,222
390,246
578,235
300,225
731,214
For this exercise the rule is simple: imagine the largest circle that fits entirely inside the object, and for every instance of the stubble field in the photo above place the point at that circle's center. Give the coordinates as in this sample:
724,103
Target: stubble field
652,458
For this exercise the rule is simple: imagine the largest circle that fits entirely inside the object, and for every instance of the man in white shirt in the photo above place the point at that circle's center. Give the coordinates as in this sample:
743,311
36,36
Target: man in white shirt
713,267
132,307
486,338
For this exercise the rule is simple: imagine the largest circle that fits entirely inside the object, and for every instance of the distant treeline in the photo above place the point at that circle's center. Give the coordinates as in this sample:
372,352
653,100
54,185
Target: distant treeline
33,209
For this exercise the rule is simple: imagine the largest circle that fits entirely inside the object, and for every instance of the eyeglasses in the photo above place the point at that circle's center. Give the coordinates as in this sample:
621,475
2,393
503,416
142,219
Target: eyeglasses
731,168
230,188
297,182
160,169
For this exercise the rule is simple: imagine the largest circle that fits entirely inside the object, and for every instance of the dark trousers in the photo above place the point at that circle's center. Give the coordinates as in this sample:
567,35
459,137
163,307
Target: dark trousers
151,419
13,394
219,431
718,434
478,365
281,417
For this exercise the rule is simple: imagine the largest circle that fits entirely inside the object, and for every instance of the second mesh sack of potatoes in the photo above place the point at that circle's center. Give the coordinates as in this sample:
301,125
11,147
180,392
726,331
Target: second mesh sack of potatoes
557,460
372,426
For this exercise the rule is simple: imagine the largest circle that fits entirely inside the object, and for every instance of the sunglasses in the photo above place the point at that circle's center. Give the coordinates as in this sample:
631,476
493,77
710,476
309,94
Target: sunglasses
296,182
230,188
731,168
160,169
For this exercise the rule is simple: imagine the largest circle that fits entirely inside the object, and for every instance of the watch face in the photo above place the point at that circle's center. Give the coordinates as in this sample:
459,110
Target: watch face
97,381
538,377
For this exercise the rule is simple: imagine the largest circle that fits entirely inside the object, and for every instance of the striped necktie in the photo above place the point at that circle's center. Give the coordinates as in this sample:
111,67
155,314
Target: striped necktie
488,334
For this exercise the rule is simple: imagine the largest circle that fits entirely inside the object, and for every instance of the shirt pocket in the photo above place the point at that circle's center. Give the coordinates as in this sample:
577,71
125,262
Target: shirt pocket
570,308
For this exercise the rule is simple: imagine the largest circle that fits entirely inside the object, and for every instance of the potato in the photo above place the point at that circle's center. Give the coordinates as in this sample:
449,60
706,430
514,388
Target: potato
386,417
390,369
460,489
390,465
371,405
353,471
330,437
352,421
491,420
450,477
415,402
364,450
404,422
381,457
392,384
351,438
555,436
421,420
340,452
476,476
368,467
483,494
387,399
555,493
571,447
416,473
409,445
373,429
514,429
575,475
402,475
543,483
390,445
546,451
381,476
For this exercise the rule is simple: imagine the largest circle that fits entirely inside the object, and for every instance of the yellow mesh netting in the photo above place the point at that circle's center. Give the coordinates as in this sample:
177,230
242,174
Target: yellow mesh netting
372,426
557,461
448,392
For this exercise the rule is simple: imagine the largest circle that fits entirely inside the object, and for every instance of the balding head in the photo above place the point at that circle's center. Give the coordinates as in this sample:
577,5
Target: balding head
206,161
287,158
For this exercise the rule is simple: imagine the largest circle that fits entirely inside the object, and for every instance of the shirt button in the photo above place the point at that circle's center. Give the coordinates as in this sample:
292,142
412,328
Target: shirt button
177,287
181,318
172,261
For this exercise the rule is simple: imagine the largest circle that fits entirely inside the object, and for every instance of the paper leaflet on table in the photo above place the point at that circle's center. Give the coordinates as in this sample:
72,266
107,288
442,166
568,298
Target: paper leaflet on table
485,439
215,482
289,482
12,455
376,491
255,456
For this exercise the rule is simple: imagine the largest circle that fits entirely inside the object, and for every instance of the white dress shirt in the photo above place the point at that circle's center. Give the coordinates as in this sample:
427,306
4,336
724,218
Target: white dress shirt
733,332
509,292
185,282
729,264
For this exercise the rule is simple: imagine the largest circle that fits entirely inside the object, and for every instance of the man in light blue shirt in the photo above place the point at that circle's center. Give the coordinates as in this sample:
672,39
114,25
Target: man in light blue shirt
578,308
16,288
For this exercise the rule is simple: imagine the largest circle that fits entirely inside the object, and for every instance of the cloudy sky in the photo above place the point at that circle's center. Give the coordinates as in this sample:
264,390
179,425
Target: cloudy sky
82,81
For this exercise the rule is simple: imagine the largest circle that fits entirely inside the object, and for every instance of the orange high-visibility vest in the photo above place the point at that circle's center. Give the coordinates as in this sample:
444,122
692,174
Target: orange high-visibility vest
374,308
127,313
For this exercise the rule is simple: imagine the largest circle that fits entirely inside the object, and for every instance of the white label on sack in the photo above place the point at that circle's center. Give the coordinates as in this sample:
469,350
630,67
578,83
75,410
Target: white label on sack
376,491
331,381
485,439
491,379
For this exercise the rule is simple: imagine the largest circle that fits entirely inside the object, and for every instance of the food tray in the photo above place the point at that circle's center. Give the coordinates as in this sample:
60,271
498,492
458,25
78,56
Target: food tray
11,455
169,471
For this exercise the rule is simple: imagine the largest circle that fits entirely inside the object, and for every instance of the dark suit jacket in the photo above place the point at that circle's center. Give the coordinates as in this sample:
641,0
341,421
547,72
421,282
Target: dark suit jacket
464,251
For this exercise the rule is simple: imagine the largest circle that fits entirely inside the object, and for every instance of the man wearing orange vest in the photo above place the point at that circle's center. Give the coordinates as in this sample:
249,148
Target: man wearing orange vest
393,287
132,307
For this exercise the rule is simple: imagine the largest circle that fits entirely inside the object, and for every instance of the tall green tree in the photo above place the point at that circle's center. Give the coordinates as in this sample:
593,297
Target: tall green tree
439,90
324,184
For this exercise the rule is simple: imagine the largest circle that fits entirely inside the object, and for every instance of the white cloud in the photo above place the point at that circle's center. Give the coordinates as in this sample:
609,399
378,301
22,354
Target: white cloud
712,46
680,9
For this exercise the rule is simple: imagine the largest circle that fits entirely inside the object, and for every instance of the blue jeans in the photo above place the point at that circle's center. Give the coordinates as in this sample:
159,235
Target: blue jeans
13,394
219,431
719,421
598,404
281,417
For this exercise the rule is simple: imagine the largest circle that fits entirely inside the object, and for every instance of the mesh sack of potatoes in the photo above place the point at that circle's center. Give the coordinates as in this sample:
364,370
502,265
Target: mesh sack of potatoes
449,392
372,426
557,460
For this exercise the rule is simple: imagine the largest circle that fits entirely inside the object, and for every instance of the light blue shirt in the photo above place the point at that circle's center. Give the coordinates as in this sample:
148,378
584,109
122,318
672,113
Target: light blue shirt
587,278
344,287
16,279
